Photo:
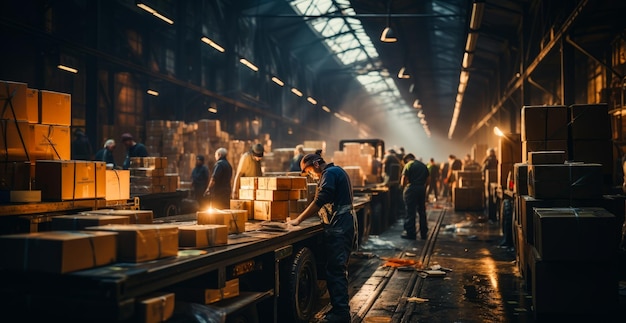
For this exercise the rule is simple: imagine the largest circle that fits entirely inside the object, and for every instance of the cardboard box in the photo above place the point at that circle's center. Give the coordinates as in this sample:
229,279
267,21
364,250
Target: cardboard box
247,194
24,196
594,152
520,178
55,108
154,162
575,234
117,184
246,205
61,180
13,98
210,295
32,105
271,210
80,222
542,123
200,236
565,181
134,216
50,142
57,251
557,287
546,157
274,183
298,183
147,172
234,219
15,176
143,242
248,183
15,140
590,122
272,195
156,307
466,198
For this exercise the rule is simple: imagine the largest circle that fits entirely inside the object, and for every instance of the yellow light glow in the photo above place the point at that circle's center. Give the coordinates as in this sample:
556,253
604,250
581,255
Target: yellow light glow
153,92
146,8
213,44
296,91
213,109
278,81
162,17
311,100
325,108
248,64
67,68
402,75
498,132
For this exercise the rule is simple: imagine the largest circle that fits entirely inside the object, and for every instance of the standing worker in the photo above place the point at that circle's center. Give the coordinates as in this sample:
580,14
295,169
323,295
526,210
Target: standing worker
106,153
249,166
333,203
433,179
200,181
219,188
414,179
81,148
298,154
133,149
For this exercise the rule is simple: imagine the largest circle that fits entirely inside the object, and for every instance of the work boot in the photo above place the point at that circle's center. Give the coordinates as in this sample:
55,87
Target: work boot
332,317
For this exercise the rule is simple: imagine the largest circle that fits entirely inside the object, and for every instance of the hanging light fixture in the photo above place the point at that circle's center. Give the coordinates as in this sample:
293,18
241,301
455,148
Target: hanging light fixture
388,36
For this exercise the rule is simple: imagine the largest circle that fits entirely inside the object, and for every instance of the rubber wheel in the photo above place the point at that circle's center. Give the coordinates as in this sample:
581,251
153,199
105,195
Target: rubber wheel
170,209
299,293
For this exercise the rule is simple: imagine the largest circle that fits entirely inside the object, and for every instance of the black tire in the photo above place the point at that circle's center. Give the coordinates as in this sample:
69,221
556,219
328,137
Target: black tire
170,209
299,293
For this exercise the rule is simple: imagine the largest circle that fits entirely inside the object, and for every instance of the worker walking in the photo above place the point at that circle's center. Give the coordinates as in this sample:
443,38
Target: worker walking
333,203
200,181
219,189
414,179
249,166
133,149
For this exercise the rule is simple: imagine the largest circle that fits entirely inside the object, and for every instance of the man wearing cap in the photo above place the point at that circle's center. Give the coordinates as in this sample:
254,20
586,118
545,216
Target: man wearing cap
333,204
199,180
133,149
249,166
218,191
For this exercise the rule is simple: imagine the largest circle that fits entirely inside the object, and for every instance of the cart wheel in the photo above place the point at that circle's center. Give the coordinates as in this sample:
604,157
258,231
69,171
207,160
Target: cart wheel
170,209
300,294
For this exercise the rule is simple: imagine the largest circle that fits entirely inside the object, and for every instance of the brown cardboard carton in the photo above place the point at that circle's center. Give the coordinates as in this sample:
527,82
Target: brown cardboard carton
234,219
298,183
143,242
271,210
61,180
544,123
156,307
15,140
50,142
247,194
134,216
13,97
274,183
210,295
272,195
117,184
55,108
80,222
32,105
202,235
248,183
546,157
57,251
246,205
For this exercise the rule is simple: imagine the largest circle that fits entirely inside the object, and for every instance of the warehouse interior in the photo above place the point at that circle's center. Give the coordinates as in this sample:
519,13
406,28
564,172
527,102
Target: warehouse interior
435,77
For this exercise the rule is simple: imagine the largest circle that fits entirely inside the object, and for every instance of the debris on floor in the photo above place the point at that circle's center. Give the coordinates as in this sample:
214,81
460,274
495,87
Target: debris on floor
417,300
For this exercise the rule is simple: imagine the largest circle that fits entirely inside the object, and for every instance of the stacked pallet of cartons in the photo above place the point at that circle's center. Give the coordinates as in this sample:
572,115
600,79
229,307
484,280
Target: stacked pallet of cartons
147,175
271,198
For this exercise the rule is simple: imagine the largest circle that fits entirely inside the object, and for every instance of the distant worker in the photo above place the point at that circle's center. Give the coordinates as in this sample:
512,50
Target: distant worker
391,171
81,148
454,165
249,166
433,179
133,149
470,164
200,181
106,153
333,204
491,161
298,153
218,192
414,179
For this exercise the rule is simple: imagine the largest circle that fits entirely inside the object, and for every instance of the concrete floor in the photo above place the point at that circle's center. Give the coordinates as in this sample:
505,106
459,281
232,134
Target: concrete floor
480,280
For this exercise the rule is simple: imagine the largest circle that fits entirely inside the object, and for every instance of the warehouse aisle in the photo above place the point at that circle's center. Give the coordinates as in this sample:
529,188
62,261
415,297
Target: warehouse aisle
474,278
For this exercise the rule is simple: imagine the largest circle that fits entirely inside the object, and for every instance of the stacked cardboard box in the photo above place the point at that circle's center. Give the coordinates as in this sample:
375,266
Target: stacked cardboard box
62,180
271,198
199,236
235,220
356,155
147,175
133,216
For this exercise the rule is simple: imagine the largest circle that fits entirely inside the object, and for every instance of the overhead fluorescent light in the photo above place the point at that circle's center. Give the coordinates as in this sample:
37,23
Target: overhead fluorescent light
311,100
212,109
325,108
470,45
416,104
498,132
154,12
248,64
296,91
477,14
67,68
387,36
278,81
467,59
213,44
402,75
152,92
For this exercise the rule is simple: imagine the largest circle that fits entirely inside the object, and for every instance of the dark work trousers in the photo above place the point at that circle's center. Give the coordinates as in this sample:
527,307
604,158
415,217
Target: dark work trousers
339,240
415,201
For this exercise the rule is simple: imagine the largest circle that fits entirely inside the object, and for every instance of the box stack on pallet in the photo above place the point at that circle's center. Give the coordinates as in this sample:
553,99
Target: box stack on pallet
271,198
147,175
357,160
468,195
563,224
